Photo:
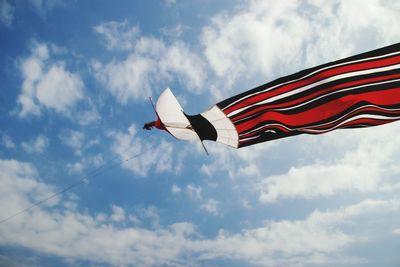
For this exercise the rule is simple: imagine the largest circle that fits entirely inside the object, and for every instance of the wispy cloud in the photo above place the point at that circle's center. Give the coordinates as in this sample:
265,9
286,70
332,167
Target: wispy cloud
7,142
316,239
151,61
73,139
211,206
258,42
6,13
175,189
194,191
365,168
118,213
118,35
44,6
36,145
155,156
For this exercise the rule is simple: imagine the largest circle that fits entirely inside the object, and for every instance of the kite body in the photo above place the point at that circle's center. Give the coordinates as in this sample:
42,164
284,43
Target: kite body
359,91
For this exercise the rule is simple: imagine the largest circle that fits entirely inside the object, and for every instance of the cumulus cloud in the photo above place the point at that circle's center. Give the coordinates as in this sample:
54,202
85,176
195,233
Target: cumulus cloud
37,145
144,155
150,62
118,213
6,13
47,85
59,89
320,238
258,43
118,34
88,162
86,117
211,206
149,216
76,235
367,167
314,240
73,139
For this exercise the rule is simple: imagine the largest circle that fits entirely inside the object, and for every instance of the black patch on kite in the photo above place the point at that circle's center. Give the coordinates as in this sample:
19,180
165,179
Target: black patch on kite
202,127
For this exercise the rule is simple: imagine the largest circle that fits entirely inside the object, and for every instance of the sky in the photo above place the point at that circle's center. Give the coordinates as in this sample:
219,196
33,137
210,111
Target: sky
75,81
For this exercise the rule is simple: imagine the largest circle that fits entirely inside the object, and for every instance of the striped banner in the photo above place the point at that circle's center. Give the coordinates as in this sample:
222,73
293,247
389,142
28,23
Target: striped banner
359,91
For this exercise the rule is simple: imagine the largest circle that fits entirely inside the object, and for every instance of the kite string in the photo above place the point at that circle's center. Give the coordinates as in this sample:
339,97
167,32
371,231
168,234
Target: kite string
100,170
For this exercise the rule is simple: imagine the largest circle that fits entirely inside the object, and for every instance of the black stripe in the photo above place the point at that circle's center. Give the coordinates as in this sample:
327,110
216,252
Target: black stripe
267,137
323,100
204,129
318,88
298,75
331,119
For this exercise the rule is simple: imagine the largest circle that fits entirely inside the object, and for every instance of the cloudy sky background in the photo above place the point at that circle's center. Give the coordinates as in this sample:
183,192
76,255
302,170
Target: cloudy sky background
75,82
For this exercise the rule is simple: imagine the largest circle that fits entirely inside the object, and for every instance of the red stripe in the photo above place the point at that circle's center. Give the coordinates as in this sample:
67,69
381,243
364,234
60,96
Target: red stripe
315,95
371,122
315,78
324,111
353,114
322,127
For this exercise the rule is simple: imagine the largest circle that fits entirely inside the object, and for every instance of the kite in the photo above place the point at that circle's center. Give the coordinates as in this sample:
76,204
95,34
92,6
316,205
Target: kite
355,92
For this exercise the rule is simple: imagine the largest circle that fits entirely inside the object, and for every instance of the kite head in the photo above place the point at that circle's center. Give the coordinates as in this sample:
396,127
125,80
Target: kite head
211,125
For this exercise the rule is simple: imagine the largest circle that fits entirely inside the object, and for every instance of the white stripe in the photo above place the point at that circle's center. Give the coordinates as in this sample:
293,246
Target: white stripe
319,125
377,117
320,82
335,92
273,124
322,96
374,106
310,74
363,116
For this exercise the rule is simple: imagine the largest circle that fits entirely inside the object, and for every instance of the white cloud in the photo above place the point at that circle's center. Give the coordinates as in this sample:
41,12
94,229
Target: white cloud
76,235
128,79
75,168
149,214
74,139
150,62
175,189
194,192
47,85
365,167
86,117
6,13
118,35
88,162
44,6
320,238
7,142
175,31
170,2
59,89
396,231
37,145
118,214
257,42
144,155
211,206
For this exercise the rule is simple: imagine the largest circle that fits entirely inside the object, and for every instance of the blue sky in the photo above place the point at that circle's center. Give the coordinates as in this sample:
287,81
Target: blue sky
75,82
